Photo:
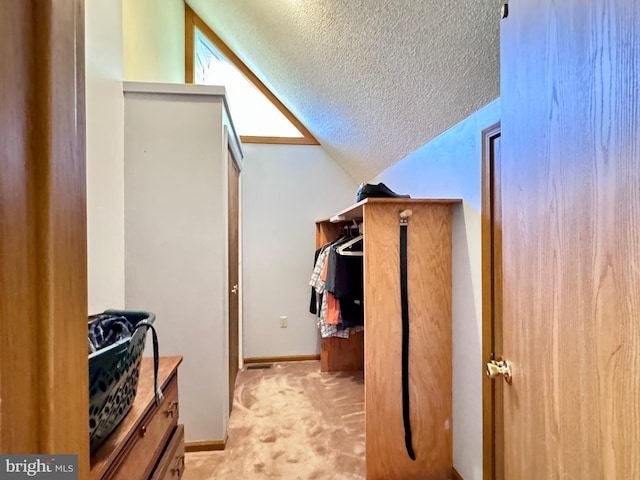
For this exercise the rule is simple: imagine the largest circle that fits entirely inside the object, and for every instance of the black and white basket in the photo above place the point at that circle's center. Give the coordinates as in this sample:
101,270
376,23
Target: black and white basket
113,376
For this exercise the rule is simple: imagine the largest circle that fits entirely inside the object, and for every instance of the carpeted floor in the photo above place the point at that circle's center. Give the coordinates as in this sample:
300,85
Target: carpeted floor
290,422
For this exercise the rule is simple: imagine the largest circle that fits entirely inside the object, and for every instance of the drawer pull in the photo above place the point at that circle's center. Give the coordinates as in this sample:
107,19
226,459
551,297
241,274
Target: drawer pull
143,430
172,410
179,466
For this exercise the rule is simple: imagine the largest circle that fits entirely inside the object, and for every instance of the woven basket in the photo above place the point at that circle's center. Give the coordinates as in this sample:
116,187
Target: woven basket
113,377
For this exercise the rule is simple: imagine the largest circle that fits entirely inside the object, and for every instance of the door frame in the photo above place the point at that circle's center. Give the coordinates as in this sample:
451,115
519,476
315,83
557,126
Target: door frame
489,331
233,252
43,269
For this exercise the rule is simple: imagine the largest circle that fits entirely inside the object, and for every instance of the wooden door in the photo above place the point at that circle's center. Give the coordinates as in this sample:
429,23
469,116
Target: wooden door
571,237
234,210
44,393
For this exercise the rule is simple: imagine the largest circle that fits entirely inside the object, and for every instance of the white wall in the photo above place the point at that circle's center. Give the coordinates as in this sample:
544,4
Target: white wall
136,40
153,40
285,189
105,134
450,167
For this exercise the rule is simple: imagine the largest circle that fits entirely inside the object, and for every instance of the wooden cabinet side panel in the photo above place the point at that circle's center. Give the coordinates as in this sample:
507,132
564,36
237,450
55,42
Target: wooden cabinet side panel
326,232
430,369
342,354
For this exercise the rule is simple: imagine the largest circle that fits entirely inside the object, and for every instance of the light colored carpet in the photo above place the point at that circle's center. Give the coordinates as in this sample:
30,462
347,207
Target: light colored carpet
290,422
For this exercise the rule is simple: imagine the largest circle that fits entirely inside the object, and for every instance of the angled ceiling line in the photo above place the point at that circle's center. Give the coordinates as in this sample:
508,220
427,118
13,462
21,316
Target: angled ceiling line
193,21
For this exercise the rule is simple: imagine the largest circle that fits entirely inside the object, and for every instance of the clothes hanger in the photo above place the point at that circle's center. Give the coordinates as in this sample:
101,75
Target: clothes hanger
341,250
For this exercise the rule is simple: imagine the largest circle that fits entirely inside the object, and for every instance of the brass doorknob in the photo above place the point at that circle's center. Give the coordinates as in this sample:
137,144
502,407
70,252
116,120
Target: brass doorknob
498,367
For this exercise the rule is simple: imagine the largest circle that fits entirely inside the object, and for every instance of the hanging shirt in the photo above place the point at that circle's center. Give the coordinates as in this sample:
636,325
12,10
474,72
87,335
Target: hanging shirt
313,304
345,281
333,306
316,277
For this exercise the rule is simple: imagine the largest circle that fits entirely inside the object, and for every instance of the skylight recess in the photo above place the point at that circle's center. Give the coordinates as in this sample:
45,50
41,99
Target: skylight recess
208,59
253,114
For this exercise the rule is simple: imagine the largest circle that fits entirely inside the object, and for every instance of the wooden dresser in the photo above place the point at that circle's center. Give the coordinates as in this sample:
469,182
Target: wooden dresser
149,443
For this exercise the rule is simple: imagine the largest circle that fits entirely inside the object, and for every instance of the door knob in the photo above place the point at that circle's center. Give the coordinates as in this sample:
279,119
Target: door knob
234,290
498,367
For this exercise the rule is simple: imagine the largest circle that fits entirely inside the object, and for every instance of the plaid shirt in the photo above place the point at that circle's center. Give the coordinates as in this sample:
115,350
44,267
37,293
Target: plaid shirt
316,277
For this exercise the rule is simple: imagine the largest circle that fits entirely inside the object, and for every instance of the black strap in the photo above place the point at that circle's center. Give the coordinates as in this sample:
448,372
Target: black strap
405,338
156,359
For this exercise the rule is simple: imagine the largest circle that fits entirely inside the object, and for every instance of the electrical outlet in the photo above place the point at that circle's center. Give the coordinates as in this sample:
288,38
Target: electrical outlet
283,321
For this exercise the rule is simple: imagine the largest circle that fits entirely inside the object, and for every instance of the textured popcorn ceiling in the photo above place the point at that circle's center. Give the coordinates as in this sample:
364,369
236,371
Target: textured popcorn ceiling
373,80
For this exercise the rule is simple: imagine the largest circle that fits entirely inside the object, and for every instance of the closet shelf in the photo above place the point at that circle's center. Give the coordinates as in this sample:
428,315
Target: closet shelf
355,212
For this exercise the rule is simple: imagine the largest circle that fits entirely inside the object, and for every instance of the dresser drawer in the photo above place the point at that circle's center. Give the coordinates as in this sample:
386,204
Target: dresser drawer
151,437
171,464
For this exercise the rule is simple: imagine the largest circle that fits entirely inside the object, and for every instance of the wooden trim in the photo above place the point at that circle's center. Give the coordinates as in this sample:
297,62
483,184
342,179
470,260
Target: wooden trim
279,140
455,475
192,20
488,454
290,358
43,270
206,445
189,44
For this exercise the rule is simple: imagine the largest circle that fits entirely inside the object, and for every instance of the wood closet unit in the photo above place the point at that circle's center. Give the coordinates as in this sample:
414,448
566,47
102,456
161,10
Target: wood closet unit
378,349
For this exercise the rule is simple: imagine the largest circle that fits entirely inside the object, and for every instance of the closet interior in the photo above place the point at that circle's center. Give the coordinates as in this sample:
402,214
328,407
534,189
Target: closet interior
378,349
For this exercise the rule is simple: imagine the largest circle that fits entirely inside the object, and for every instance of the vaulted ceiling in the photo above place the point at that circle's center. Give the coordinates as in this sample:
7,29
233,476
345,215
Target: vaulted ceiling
373,80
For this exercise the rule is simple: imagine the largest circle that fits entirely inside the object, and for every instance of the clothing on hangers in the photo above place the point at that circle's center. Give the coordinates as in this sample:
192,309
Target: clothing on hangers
345,282
337,316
